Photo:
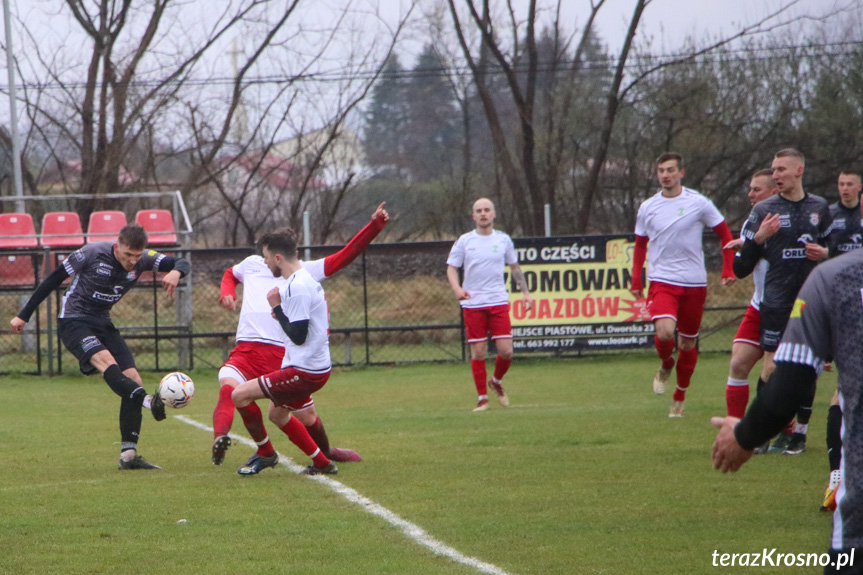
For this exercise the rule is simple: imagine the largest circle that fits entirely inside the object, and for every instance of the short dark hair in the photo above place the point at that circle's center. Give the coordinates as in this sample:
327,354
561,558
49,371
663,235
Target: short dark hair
765,172
133,236
852,172
790,153
667,156
282,241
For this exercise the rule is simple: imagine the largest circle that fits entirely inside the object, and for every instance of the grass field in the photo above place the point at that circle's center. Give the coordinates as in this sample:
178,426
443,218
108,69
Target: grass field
584,473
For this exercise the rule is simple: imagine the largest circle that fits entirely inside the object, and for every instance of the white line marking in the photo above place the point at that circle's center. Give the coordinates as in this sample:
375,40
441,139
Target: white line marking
411,530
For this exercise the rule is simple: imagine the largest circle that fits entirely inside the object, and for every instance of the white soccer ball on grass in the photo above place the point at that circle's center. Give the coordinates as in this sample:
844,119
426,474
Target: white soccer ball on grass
176,389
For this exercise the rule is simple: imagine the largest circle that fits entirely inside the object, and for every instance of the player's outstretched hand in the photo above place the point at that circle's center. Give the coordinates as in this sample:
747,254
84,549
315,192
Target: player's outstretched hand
229,302
170,282
733,244
17,324
381,213
637,293
727,453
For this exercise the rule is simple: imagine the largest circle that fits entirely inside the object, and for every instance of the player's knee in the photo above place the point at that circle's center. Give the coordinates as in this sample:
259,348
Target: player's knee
239,398
740,366
505,354
686,343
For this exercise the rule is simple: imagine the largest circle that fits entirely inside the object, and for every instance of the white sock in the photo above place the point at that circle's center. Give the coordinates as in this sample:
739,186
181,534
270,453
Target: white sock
128,455
148,401
801,428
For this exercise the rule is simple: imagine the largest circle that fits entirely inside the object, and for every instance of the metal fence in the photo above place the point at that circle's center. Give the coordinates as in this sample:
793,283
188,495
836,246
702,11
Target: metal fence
392,305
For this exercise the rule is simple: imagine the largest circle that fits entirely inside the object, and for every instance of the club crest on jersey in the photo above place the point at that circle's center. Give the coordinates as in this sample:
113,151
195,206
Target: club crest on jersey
131,275
799,304
814,218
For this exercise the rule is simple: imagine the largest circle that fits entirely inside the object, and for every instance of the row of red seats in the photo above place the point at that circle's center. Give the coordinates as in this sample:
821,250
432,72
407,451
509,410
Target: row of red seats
62,230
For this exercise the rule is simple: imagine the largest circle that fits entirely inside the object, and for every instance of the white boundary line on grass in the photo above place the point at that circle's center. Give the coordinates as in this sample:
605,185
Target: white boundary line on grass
411,530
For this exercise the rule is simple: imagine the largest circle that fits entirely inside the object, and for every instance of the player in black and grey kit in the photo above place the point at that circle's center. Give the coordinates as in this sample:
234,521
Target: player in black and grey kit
791,232
103,273
826,325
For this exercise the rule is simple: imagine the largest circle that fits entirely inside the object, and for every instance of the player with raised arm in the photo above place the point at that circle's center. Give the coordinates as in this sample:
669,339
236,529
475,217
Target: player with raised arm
826,324
668,228
483,253
301,310
746,347
261,342
789,231
103,273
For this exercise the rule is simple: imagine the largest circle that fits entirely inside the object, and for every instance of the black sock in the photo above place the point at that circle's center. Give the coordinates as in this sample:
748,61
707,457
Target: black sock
122,385
834,438
130,419
804,412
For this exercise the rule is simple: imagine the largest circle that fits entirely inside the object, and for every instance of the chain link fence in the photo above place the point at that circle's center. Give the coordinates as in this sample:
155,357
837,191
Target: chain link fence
392,305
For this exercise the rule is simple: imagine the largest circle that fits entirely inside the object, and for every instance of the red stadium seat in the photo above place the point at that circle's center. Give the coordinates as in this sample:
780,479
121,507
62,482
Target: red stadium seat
159,225
17,231
17,271
62,230
105,226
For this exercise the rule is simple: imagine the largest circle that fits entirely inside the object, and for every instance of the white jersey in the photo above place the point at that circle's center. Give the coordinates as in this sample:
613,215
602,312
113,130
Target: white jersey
758,275
256,321
674,227
303,299
483,259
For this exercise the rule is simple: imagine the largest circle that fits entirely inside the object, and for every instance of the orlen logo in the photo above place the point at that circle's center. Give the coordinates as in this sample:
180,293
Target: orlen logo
794,254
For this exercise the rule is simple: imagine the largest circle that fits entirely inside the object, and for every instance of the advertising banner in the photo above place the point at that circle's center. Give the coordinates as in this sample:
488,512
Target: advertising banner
580,286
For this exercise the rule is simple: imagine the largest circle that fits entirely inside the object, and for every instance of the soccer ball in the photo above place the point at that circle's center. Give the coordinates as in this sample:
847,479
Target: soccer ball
176,389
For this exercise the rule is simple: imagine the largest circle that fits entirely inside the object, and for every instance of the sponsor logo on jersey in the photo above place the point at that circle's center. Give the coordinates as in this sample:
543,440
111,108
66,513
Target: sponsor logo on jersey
794,253
814,218
112,298
152,252
799,304
103,271
78,255
784,221
805,239
848,247
838,225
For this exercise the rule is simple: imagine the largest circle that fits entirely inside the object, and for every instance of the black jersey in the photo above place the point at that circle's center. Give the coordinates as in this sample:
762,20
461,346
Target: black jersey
827,324
846,231
805,221
99,280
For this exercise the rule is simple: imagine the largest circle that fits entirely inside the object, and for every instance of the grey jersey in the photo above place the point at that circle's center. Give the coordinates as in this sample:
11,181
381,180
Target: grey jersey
99,281
846,231
827,324
801,222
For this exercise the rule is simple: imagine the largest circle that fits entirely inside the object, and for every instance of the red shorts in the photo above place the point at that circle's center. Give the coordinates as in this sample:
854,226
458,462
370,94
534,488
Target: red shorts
685,305
291,388
253,358
479,322
748,330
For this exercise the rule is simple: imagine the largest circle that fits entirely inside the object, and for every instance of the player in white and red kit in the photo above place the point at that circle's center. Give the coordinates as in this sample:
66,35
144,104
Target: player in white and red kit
483,253
261,341
746,348
300,307
668,228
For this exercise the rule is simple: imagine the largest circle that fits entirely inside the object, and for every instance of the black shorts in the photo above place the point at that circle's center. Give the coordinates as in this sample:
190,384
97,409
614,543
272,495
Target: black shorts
772,326
85,336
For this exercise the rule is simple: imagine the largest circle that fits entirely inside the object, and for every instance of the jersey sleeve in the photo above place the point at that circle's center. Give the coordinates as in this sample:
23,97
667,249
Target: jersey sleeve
76,261
456,254
296,303
808,337
640,223
825,225
710,215
316,268
509,255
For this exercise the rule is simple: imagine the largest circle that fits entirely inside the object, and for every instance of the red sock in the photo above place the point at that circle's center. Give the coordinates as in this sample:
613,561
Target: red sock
299,436
685,366
501,366
736,396
319,435
789,429
477,366
665,351
254,422
223,415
